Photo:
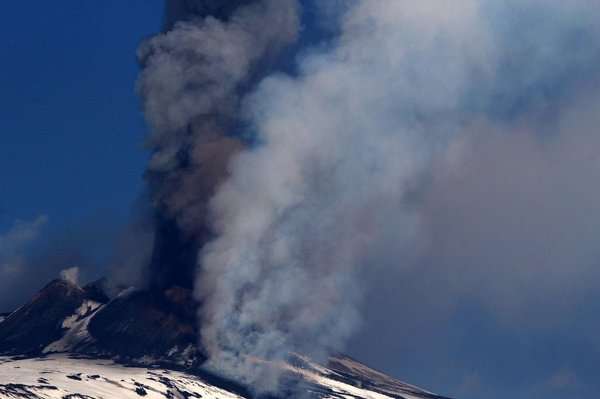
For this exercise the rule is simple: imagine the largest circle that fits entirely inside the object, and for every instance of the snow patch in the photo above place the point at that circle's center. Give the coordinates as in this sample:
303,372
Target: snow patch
77,328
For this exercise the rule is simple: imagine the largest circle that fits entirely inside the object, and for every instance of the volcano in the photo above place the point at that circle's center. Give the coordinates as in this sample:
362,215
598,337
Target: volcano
74,342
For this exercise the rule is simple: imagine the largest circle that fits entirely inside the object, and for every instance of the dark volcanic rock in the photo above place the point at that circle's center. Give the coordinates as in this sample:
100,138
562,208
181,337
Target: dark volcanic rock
32,327
95,291
131,326
76,377
141,323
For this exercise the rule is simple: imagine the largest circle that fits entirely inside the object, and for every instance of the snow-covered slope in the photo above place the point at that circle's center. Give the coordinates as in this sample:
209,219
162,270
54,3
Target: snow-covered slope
60,376
67,377
76,328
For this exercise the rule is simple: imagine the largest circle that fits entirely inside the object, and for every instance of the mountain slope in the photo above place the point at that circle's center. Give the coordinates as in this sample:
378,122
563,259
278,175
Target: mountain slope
63,317
38,323
72,342
67,377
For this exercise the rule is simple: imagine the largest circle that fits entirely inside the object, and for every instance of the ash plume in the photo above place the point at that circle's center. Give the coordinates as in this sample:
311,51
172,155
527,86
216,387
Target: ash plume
193,75
270,190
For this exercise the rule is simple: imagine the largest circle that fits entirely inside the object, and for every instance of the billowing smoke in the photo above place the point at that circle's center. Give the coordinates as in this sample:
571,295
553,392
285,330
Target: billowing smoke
286,183
345,142
347,145
193,76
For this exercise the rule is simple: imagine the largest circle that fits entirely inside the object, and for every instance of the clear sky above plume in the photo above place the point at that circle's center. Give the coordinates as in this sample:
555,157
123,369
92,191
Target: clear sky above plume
421,180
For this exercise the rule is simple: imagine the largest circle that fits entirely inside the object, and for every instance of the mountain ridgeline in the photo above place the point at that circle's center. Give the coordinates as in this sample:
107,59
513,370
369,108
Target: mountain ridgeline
72,326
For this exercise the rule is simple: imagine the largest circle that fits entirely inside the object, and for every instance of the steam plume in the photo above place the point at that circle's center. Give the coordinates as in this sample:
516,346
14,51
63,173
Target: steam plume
71,275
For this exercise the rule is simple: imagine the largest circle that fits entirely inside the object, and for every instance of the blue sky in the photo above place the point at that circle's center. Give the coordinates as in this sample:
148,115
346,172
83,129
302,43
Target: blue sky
70,145
71,165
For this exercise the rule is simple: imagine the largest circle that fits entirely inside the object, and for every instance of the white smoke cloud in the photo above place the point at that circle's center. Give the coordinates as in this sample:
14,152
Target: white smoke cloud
70,275
344,147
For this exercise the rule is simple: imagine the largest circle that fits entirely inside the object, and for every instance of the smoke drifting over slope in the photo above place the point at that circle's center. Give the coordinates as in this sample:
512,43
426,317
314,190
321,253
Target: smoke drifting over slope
341,152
